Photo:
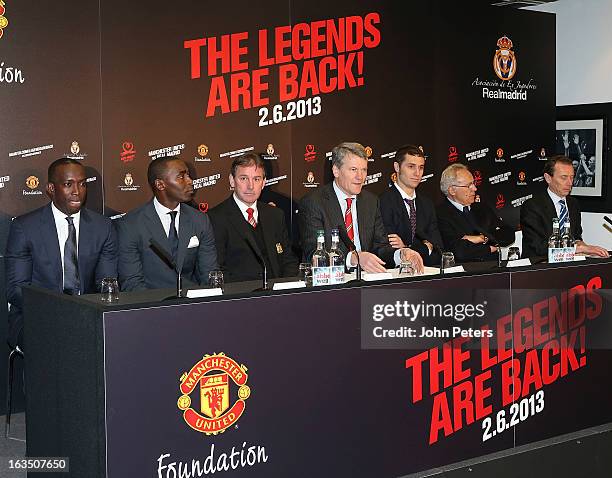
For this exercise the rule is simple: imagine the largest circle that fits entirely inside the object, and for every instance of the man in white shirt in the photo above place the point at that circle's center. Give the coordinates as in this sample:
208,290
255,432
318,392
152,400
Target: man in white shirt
61,246
343,204
538,212
251,236
184,233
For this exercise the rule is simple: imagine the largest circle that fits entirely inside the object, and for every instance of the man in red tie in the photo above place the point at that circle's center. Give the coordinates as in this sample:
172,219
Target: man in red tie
344,205
250,233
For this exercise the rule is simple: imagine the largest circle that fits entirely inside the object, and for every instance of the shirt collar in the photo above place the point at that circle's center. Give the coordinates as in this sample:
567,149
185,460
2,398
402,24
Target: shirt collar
457,205
161,209
555,198
342,196
242,206
403,193
59,216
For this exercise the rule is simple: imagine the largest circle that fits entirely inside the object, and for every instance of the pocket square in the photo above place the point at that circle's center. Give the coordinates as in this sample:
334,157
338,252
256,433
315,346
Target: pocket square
193,242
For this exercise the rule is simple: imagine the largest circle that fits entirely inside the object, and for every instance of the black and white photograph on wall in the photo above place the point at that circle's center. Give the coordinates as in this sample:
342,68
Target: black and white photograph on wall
582,142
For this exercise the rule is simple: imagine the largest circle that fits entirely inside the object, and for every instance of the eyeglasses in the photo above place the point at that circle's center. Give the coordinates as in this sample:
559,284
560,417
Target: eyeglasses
465,185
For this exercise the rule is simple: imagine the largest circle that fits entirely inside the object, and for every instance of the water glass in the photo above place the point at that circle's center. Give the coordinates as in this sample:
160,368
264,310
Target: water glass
305,273
514,254
215,279
448,260
406,269
109,290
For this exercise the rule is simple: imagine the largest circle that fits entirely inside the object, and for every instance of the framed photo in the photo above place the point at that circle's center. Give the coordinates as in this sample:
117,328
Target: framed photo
583,142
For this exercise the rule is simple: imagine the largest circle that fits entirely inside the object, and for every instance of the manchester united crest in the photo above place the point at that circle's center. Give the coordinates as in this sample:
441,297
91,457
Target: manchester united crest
215,376
504,60
3,20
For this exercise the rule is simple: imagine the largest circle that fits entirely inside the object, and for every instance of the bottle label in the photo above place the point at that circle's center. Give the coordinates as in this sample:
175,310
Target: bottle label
561,254
337,275
320,276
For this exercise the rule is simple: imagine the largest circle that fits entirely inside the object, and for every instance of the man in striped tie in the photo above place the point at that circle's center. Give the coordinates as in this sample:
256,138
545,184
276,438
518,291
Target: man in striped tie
538,212
344,205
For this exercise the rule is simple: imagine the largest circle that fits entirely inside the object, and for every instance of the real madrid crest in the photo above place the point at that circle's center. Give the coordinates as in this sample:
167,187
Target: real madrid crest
504,60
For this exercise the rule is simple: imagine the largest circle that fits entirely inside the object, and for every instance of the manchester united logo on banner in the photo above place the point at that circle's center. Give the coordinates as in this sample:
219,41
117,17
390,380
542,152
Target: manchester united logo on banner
504,60
216,410
3,20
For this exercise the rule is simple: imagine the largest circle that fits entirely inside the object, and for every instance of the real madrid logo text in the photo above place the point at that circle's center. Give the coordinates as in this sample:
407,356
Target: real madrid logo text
504,60
216,414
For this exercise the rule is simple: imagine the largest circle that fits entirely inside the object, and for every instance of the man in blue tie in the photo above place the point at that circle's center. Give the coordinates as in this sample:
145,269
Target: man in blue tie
538,212
61,246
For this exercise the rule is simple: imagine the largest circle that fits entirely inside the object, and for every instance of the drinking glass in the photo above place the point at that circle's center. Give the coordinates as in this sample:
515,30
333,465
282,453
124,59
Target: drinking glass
305,273
109,289
448,260
514,254
406,269
215,279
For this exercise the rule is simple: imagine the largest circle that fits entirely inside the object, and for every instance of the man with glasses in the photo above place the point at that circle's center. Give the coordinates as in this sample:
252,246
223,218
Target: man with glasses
469,229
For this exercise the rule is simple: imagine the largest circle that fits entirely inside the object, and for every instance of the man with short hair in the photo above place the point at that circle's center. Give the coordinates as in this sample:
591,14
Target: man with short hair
538,212
61,246
344,205
184,233
469,229
250,233
410,219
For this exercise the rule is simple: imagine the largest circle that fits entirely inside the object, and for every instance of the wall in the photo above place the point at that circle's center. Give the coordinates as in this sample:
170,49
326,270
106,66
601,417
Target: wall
584,69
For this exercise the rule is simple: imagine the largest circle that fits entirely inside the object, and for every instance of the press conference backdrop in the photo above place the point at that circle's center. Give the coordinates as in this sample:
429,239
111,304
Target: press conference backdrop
118,84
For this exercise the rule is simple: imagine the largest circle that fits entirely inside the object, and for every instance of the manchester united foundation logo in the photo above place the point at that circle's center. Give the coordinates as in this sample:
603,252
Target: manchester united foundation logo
214,375
504,60
3,20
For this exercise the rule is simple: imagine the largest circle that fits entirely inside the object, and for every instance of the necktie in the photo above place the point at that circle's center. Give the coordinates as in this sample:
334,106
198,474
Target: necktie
251,218
72,283
348,219
563,214
412,209
172,235
468,215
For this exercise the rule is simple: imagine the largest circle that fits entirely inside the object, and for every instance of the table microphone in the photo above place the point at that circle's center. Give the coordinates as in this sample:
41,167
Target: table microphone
608,220
167,259
255,249
350,245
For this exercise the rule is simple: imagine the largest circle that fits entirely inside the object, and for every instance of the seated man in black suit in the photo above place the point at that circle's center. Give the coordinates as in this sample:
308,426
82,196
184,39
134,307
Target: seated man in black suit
344,205
248,232
182,231
469,229
410,219
61,246
538,212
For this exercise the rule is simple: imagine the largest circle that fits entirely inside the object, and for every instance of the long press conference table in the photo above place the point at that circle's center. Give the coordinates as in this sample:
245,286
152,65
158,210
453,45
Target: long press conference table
319,382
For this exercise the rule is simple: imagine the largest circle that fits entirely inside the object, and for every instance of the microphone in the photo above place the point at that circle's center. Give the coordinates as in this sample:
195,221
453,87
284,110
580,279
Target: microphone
166,258
350,245
255,249
608,220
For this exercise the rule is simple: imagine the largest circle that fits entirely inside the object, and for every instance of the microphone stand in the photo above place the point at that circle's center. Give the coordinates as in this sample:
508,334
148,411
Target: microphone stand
350,245
159,250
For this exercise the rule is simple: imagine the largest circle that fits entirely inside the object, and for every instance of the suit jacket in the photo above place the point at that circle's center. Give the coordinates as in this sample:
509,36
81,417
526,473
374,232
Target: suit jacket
33,257
454,225
140,268
321,210
537,214
238,252
397,221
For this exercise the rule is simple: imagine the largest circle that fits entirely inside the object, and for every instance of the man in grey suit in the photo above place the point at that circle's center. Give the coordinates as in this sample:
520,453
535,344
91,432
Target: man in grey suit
185,233
344,205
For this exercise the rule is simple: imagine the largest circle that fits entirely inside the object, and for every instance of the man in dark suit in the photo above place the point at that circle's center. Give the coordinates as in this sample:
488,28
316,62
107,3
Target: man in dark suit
184,233
410,219
344,205
469,229
248,232
538,212
61,246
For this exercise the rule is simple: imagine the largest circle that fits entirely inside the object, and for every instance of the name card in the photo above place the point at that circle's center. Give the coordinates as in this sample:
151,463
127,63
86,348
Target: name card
374,276
197,293
519,263
298,284
452,270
